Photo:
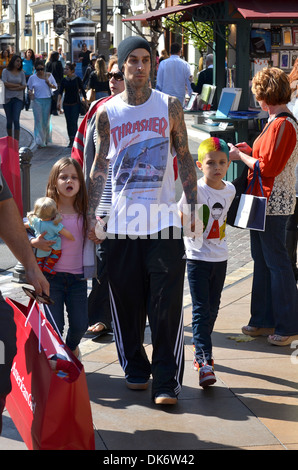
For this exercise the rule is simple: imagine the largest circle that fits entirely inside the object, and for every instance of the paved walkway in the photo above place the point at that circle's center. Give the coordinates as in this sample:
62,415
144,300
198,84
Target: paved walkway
252,406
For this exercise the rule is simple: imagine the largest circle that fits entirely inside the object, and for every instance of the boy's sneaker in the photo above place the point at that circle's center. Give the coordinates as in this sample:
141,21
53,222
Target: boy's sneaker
206,373
207,376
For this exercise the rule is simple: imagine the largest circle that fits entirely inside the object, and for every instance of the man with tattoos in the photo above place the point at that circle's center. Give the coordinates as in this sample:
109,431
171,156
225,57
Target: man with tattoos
136,132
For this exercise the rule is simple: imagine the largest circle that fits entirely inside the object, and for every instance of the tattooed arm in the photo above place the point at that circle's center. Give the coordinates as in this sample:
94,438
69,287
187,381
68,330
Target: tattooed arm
179,140
100,166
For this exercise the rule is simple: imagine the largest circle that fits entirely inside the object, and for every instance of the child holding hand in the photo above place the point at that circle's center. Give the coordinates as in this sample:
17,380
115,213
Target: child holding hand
207,257
68,286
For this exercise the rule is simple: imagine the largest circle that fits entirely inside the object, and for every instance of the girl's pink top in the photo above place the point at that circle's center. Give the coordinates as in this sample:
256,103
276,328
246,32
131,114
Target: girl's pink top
71,260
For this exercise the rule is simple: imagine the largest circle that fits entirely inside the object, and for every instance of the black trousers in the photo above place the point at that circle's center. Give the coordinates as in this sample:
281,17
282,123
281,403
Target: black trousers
146,277
7,345
99,309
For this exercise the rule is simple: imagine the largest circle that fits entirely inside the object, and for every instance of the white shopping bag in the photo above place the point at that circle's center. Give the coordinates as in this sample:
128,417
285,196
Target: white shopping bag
251,212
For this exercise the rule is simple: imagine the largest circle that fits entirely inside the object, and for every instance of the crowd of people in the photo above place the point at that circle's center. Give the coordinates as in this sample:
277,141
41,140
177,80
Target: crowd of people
139,269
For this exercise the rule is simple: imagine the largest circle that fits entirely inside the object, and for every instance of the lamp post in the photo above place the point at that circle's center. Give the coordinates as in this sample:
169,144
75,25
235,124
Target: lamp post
16,14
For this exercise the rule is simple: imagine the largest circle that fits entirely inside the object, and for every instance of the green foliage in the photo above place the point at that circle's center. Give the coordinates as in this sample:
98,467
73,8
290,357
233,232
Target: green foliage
199,33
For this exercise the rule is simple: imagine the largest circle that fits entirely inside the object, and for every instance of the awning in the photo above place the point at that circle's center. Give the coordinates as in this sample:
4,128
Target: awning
267,9
156,14
250,10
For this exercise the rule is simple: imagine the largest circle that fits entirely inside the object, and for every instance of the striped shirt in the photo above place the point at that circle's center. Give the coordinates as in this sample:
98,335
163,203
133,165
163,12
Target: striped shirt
103,208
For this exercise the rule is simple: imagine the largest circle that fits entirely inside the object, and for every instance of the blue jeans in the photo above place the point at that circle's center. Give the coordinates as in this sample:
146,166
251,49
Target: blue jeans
12,111
71,112
99,294
206,281
69,290
274,301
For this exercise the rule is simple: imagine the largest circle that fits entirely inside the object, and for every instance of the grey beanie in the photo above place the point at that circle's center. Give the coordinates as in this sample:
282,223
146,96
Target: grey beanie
130,44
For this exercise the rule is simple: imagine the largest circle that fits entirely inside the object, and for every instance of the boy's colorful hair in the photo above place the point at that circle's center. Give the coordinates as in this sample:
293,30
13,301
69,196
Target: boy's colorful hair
213,144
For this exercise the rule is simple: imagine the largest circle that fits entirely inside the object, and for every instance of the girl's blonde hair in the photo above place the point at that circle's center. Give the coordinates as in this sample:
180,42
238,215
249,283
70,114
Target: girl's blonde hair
101,70
45,208
80,203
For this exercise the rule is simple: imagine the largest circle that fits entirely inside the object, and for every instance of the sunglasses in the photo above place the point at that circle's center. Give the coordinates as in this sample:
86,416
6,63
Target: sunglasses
42,298
118,76
39,69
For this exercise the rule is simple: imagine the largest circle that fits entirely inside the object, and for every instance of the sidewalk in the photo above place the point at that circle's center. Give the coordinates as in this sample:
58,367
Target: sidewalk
252,406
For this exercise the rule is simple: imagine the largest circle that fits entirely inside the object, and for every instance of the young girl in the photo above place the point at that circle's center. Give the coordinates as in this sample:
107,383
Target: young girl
67,187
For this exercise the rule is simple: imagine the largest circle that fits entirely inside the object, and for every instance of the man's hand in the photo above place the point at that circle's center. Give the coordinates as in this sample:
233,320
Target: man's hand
35,277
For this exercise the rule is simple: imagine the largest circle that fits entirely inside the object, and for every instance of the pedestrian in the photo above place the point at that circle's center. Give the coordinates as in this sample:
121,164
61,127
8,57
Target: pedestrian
28,67
13,233
205,76
4,60
90,68
207,257
44,57
54,66
274,300
163,55
68,287
98,80
72,87
84,58
145,253
15,83
292,232
174,66
293,78
292,223
100,320
40,86
62,56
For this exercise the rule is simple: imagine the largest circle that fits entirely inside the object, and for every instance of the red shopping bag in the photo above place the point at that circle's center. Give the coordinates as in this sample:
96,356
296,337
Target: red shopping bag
10,166
50,411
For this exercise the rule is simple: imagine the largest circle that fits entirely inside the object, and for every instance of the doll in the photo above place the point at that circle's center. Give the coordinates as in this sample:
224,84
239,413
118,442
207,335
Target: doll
46,218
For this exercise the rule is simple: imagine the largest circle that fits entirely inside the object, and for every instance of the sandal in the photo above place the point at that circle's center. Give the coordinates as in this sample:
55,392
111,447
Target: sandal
255,331
98,329
279,340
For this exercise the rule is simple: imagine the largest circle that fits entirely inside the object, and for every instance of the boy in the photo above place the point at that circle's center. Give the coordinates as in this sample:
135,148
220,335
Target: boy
207,258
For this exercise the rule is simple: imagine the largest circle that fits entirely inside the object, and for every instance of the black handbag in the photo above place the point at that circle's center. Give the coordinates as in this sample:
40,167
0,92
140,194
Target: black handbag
83,104
83,107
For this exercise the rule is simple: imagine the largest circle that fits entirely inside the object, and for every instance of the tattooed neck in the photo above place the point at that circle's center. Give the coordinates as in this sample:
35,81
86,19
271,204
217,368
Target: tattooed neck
135,96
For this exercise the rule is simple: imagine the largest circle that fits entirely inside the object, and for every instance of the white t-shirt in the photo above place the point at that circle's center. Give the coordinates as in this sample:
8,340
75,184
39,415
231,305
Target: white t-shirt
143,181
215,205
40,87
